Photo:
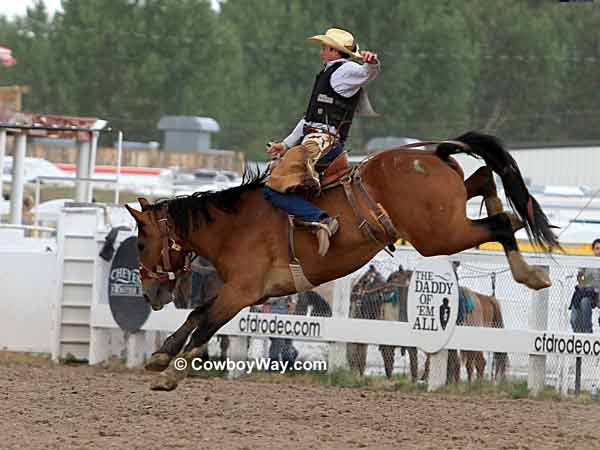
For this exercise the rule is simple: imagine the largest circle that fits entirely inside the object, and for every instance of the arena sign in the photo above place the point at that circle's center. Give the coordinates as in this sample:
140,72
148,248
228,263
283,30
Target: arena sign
432,303
125,296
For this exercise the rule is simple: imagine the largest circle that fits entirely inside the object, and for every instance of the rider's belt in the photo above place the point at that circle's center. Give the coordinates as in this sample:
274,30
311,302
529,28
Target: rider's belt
327,130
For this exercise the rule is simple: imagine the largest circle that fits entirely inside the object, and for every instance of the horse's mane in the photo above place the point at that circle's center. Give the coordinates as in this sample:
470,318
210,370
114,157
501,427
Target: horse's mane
197,204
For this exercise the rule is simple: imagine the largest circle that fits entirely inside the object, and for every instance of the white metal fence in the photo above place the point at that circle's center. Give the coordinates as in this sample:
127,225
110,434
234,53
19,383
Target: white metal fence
327,337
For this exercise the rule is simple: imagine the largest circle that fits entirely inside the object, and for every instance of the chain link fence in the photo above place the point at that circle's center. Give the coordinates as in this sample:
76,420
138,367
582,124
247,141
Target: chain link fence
488,282
379,292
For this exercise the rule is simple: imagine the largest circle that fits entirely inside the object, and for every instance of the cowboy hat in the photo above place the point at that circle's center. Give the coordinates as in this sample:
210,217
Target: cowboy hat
339,39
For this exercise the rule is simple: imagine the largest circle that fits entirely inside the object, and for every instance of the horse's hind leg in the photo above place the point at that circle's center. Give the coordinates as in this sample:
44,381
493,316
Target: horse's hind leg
453,367
467,357
522,272
387,353
413,357
480,365
481,182
501,228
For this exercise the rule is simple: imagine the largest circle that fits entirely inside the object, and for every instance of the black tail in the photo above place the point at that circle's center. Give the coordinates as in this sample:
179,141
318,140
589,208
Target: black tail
491,150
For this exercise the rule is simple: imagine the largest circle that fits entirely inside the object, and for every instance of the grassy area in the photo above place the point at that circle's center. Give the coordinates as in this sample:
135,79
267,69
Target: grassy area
506,389
34,359
345,378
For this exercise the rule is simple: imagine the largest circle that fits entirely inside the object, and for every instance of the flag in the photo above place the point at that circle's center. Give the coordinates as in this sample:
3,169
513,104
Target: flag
6,57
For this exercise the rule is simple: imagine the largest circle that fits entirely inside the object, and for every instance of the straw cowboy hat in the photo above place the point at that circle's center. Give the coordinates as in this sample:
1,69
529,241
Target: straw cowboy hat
339,39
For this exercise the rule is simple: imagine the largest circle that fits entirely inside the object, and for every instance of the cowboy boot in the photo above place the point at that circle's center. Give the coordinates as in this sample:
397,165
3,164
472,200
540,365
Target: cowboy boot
327,228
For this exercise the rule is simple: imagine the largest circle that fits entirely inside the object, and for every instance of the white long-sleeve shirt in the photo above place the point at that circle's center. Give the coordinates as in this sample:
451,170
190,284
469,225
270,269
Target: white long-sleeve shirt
346,81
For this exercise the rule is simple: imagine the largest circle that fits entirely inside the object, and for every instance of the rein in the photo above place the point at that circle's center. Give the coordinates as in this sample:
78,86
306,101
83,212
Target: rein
164,273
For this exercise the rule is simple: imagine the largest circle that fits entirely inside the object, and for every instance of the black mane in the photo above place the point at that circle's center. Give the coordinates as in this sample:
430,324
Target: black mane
197,204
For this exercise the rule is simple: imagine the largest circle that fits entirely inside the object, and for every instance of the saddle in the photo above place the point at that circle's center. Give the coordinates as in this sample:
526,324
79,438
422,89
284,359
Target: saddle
379,229
334,171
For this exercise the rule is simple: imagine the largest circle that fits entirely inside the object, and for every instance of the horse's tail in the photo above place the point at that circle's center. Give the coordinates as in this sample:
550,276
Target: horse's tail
491,150
500,358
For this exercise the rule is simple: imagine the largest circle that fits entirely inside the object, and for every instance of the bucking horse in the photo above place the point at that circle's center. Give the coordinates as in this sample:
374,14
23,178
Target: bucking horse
416,195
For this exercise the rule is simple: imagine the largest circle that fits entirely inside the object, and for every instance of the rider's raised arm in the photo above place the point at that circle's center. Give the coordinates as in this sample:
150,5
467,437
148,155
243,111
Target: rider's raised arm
351,76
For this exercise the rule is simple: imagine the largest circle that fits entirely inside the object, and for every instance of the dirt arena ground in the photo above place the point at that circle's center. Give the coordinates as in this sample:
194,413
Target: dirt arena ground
81,407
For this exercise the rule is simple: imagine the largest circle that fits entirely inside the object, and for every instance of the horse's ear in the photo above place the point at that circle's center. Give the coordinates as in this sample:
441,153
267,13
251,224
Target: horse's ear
137,215
145,204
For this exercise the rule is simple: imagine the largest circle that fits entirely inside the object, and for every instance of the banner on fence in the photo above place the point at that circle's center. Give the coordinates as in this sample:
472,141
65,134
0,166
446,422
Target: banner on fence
432,303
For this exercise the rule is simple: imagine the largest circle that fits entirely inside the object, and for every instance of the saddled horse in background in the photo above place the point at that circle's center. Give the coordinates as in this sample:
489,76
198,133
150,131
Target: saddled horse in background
365,303
397,284
246,238
485,312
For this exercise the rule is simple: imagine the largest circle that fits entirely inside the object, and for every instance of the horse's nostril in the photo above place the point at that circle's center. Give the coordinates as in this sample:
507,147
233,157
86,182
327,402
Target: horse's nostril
146,298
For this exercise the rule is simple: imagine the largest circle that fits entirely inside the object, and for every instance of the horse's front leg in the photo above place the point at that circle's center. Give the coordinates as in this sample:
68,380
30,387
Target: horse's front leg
174,343
230,301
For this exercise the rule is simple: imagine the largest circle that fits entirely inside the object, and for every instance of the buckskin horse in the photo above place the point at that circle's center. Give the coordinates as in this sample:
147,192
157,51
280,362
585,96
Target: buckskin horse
486,312
415,195
365,303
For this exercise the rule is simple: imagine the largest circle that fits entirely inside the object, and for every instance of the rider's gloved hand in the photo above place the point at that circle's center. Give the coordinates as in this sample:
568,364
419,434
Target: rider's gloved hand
276,149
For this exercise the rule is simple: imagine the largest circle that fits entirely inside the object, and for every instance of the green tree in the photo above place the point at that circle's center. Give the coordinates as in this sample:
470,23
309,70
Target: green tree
578,108
518,85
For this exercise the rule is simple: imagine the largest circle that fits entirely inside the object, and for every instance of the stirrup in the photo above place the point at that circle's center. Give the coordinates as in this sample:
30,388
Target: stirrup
324,232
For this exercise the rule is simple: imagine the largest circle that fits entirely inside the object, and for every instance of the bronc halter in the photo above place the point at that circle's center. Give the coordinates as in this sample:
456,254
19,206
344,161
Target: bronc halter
164,273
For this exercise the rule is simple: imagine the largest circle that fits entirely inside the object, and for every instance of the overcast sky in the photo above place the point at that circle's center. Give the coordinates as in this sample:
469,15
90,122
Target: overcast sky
19,7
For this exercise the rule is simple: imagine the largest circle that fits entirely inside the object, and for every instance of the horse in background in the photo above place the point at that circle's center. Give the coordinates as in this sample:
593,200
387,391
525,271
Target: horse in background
311,303
365,303
480,310
484,312
394,308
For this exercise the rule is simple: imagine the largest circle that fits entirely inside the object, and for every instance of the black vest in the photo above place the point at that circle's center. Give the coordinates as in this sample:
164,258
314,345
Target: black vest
328,107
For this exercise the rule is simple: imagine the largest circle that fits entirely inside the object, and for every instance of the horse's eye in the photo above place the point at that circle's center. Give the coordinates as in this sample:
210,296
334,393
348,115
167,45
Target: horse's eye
140,246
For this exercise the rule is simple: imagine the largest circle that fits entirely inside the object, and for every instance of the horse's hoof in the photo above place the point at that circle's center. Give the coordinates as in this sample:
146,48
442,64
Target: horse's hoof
164,382
539,280
158,362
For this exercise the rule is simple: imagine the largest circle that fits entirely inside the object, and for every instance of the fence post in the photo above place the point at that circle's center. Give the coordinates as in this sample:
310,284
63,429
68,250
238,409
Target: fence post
538,320
339,308
83,160
136,351
438,370
237,351
2,155
18,179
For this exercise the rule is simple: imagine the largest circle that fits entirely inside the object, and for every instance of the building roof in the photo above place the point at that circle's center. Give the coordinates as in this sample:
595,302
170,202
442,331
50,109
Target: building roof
381,143
49,125
188,123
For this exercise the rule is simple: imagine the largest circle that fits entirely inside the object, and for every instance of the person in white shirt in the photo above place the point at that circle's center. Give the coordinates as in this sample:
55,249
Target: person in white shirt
319,136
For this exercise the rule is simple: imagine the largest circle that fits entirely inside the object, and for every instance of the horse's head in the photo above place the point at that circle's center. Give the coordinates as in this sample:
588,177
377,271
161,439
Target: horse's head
163,262
400,278
368,280
372,278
